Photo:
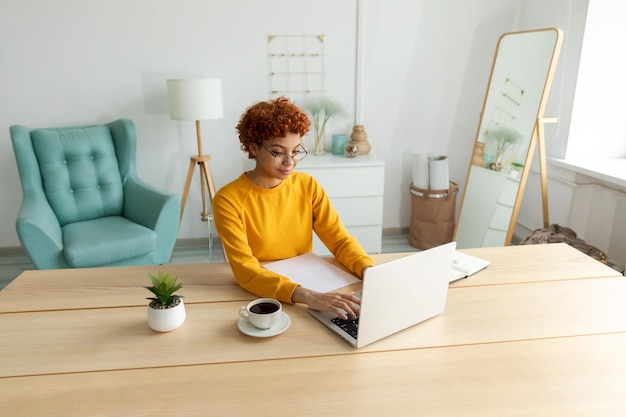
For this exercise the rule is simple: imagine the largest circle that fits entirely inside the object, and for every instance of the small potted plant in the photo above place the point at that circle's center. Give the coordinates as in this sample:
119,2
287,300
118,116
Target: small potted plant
166,310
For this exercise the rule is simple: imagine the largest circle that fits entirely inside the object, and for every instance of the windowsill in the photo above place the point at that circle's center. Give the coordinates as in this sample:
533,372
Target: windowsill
610,170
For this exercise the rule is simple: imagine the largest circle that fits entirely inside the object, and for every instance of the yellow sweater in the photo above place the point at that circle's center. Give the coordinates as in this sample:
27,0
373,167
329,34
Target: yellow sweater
257,225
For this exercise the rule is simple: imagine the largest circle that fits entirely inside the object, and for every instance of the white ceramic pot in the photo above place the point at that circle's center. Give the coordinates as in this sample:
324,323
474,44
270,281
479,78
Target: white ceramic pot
167,319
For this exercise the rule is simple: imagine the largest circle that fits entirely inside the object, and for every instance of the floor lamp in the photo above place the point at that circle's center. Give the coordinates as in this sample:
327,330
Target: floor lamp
197,99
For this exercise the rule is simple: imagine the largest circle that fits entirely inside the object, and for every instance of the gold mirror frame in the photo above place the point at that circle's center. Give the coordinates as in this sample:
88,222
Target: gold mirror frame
511,120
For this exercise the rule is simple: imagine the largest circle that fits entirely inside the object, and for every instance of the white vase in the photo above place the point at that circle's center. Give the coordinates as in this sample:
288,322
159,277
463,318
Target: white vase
167,319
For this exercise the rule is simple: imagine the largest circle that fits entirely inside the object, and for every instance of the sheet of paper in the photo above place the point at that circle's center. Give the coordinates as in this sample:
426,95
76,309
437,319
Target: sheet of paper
313,272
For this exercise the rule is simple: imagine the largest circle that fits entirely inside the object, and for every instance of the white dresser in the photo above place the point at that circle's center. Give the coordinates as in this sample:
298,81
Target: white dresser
355,187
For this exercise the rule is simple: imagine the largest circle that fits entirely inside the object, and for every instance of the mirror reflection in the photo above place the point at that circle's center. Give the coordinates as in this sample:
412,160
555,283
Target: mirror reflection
516,96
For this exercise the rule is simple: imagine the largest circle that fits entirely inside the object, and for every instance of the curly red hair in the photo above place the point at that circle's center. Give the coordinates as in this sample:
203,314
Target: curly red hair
270,119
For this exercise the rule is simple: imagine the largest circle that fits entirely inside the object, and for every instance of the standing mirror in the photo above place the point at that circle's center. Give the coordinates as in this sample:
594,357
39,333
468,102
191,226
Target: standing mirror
511,123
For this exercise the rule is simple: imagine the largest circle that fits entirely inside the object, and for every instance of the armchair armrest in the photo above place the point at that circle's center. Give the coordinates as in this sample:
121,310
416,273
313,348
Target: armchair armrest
155,209
40,233
147,205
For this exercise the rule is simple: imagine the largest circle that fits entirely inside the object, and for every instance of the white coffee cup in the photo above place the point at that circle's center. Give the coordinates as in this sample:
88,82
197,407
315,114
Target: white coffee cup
263,313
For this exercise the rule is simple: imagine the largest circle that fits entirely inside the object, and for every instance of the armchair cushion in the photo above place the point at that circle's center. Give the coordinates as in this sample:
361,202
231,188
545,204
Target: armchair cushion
80,174
106,240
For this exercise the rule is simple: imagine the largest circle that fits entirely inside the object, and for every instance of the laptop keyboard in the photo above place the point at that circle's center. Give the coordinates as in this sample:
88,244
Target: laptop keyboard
349,326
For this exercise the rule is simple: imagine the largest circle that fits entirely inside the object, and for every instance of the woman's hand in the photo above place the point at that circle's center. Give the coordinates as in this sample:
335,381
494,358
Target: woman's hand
330,301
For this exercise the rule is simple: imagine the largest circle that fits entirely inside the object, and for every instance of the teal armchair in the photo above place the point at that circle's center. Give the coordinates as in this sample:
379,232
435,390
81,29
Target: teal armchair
84,205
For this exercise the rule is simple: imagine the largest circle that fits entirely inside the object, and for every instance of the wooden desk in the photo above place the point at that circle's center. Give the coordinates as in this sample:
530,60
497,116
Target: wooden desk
525,341
214,282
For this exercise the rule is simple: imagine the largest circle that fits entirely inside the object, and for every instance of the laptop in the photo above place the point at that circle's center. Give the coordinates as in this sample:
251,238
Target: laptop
396,295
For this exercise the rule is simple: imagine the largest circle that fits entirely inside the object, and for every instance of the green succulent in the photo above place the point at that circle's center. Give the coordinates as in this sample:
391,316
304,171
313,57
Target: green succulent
164,287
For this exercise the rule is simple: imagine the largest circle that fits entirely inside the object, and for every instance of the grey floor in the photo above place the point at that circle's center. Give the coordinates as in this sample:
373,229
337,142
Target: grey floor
13,261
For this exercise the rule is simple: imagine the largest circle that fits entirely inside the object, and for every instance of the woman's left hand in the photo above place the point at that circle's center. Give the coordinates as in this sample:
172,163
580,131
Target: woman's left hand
343,305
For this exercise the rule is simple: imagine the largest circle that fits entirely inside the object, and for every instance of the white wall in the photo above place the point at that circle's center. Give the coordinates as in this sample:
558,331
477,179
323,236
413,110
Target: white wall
424,74
67,62
425,95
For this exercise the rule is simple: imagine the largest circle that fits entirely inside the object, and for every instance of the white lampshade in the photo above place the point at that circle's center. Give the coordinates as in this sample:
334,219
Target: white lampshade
195,99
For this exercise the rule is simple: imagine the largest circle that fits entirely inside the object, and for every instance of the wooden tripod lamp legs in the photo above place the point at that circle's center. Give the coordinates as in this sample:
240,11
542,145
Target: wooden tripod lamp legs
206,181
207,184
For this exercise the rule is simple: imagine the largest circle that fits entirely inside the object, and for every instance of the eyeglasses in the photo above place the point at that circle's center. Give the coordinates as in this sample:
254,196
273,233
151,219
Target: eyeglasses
281,157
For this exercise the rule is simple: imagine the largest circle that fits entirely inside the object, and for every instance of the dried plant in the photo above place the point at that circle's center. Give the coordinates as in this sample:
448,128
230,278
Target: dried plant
321,110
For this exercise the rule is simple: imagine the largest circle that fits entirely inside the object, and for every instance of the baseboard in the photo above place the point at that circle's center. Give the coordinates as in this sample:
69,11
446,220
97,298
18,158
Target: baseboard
192,241
395,231
181,243
198,241
12,251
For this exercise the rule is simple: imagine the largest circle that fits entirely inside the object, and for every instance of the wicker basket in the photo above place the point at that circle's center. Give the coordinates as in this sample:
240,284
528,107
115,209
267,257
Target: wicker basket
432,216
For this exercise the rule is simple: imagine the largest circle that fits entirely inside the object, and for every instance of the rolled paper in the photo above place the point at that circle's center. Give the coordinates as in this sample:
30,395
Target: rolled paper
420,171
439,176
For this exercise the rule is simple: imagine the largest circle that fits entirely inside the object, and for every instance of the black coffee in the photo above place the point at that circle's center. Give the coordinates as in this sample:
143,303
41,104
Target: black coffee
264,308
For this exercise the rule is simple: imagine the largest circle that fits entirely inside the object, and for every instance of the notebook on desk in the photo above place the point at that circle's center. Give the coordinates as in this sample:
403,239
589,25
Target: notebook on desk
397,295
464,265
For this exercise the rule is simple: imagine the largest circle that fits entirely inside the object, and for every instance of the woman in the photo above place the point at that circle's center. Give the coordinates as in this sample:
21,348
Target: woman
270,213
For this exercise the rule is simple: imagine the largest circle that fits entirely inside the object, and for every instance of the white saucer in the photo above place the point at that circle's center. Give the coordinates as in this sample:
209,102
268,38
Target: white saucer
247,328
